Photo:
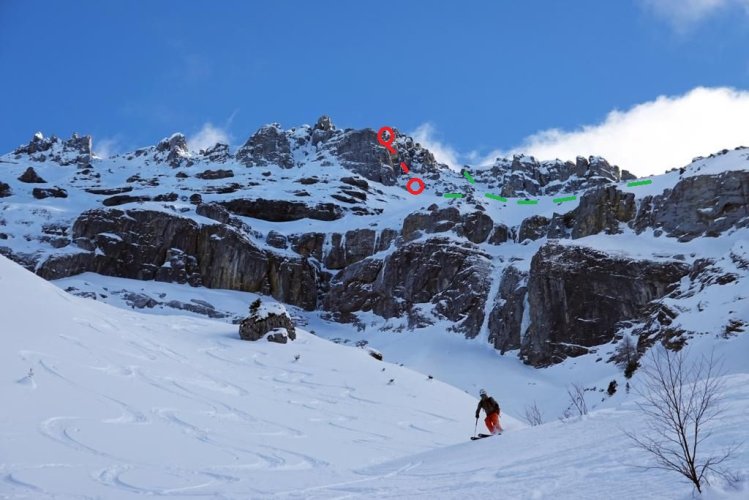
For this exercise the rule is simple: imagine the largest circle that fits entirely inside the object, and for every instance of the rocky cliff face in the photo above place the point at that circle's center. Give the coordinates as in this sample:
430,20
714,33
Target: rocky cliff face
508,311
147,245
576,297
318,217
474,226
602,209
451,279
705,205
76,150
526,176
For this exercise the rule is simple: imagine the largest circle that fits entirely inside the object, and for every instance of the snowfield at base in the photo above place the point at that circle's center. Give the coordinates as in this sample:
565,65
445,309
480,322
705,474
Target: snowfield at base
124,405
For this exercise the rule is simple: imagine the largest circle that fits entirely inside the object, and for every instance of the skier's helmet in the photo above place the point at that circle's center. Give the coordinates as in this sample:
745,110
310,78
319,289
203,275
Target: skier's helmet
482,393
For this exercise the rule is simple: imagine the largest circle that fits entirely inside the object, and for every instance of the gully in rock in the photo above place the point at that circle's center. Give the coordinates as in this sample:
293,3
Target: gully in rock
388,144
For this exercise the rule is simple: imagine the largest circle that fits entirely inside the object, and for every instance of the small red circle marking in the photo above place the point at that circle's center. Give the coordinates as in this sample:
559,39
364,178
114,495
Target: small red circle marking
419,182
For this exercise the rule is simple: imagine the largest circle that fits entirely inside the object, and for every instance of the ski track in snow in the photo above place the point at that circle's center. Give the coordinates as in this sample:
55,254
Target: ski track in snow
180,407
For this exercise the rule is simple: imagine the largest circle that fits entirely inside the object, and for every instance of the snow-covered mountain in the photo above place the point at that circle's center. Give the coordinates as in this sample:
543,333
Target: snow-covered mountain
545,260
524,265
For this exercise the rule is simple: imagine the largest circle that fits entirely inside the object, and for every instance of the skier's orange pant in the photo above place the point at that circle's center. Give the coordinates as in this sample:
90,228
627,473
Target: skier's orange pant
492,423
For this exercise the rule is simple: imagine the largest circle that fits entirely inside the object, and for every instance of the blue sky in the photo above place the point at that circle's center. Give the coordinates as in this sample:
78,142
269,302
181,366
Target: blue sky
469,77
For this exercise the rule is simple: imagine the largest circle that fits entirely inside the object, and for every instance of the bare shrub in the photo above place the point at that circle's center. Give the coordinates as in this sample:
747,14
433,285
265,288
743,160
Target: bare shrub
577,399
681,397
533,415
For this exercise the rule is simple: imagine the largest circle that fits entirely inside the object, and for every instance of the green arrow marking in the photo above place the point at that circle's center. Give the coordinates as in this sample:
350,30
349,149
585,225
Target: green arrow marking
527,202
468,176
566,198
453,195
639,183
495,197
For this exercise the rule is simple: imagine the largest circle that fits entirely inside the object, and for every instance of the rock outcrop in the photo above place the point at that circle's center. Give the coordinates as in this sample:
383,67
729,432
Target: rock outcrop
31,177
705,205
215,174
500,234
360,152
417,273
283,211
505,320
602,210
524,176
268,146
146,245
266,319
533,228
218,153
475,226
336,250
173,150
53,192
577,295
76,150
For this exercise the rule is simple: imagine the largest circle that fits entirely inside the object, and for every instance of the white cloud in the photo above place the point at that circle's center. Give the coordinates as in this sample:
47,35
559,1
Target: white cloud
107,147
654,136
443,153
684,14
207,137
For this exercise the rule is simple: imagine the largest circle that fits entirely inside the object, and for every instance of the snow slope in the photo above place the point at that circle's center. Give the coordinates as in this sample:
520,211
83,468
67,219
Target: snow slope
587,457
122,404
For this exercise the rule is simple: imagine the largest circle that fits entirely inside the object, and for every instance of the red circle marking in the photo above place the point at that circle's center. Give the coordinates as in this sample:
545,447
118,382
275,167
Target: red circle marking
386,142
419,182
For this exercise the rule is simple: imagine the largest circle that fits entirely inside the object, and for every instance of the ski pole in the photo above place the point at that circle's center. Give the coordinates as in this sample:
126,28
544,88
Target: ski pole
475,427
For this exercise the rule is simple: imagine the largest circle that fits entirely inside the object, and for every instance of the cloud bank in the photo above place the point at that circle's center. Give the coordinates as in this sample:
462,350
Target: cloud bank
425,134
654,136
207,137
646,139
107,147
685,14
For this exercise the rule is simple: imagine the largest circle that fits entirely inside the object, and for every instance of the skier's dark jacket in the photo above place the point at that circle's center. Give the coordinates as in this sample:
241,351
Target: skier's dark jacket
489,404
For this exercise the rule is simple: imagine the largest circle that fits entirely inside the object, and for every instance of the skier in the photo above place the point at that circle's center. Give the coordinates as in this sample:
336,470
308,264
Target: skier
491,408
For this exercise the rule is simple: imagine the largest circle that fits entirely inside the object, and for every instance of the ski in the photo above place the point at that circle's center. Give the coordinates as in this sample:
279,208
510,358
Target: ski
482,436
